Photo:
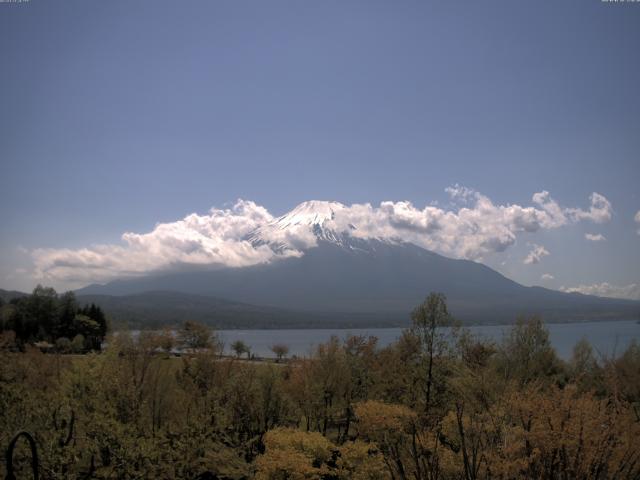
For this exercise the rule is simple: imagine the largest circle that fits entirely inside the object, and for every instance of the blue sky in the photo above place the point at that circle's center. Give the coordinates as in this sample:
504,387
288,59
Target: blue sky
117,115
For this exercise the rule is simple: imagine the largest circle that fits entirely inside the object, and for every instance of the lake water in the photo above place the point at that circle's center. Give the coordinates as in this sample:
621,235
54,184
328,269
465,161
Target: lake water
610,337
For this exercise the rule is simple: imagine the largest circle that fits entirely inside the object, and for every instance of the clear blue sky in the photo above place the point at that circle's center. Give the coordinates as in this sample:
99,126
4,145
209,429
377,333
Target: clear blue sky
116,115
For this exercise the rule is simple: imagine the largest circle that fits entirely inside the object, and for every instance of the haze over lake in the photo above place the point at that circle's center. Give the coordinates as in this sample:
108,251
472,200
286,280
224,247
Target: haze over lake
607,338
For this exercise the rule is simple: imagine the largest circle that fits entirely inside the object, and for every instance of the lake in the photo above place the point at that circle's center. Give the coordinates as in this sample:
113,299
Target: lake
610,337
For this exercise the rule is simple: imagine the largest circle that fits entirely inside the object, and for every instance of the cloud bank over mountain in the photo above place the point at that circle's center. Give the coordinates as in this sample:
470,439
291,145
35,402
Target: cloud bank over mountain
604,289
472,227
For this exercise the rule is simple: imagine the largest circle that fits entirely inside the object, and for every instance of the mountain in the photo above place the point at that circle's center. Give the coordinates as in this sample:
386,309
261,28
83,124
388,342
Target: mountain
335,274
8,295
308,217
157,308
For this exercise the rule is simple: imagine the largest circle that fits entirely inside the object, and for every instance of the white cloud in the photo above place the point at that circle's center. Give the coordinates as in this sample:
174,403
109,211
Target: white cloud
599,212
213,239
535,255
628,292
547,276
637,220
595,237
474,227
468,232
461,194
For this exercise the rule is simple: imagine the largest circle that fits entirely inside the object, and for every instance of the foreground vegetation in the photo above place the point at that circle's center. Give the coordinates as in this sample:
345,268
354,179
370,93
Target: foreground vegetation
437,404
53,321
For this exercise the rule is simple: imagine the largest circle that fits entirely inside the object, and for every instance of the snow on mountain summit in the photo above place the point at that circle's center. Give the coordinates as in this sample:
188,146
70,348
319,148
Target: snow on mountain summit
301,228
313,212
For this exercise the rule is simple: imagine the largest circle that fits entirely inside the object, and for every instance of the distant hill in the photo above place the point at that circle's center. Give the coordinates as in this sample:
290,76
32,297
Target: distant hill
7,295
158,308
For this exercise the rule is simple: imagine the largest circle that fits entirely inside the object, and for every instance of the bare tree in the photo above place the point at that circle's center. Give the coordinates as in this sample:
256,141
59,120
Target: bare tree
280,350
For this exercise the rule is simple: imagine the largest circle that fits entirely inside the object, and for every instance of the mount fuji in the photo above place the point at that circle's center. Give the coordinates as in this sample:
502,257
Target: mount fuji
337,275
307,221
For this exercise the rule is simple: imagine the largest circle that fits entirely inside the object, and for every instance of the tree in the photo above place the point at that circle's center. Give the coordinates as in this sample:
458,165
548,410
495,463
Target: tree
67,310
293,454
361,461
46,316
392,428
194,335
583,366
96,313
430,318
558,433
39,313
239,347
89,329
78,343
166,340
623,374
526,354
280,350
63,345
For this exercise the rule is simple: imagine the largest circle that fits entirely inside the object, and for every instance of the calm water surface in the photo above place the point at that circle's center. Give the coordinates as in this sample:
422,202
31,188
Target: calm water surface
610,337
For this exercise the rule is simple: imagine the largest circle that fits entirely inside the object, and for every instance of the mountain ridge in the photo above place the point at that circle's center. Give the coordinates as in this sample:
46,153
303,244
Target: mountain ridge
326,270
382,279
154,309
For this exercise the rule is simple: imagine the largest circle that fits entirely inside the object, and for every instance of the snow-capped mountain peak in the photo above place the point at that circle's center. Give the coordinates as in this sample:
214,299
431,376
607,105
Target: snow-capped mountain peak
300,228
313,212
